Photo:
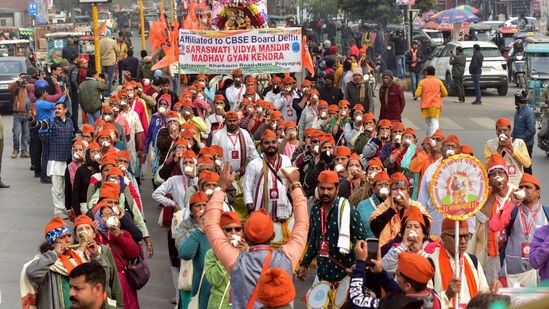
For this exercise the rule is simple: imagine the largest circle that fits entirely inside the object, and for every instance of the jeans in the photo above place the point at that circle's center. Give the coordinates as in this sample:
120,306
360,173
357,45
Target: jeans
401,68
458,82
92,118
476,83
20,132
416,76
110,72
44,155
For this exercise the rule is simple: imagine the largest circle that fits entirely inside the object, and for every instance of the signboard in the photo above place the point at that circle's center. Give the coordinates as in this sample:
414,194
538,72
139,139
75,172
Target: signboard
32,7
459,187
255,51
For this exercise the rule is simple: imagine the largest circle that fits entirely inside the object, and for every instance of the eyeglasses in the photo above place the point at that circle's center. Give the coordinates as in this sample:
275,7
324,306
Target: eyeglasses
461,236
229,229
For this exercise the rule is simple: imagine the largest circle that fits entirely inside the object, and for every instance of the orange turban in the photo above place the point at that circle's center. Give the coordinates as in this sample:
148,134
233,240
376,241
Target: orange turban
368,117
343,103
108,160
452,139
124,154
102,133
259,228
229,217
448,224
275,115
109,190
439,134
503,122
115,171
231,115
219,97
172,116
413,213
198,197
306,83
208,151
358,107
374,161
333,108
354,156
217,149
496,161
208,176
268,133
324,104
288,80
83,219
275,288
99,122
415,266
409,131
398,178
86,128
384,123
291,124
55,228
106,108
397,126
237,72
328,176
309,132
99,205
188,154
381,176
342,151
204,160
93,145
527,178
466,149
327,138
79,142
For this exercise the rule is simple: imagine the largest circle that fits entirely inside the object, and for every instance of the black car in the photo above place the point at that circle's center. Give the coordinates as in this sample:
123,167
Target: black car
10,68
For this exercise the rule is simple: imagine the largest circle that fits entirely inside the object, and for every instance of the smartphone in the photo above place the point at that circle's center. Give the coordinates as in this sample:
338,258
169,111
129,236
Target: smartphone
373,245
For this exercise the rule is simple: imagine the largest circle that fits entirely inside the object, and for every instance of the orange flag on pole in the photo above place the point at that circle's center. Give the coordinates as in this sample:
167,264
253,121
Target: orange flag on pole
306,60
102,29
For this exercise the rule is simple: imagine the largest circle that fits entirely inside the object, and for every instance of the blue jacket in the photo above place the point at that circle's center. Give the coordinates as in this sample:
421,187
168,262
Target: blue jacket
60,140
525,125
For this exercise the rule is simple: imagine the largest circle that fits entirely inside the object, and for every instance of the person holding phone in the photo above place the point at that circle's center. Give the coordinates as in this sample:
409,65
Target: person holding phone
413,275
385,222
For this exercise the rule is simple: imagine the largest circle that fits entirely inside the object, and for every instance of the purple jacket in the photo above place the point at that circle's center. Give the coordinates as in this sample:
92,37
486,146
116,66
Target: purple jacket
539,252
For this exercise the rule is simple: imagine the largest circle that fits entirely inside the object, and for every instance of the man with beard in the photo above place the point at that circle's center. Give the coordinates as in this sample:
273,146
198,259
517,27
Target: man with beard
391,98
380,188
235,93
431,153
329,241
263,188
285,103
87,286
238,146
324,159
330,92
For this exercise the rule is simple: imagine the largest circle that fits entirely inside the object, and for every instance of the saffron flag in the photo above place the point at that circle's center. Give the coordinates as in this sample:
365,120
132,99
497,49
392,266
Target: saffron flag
102,29
306,59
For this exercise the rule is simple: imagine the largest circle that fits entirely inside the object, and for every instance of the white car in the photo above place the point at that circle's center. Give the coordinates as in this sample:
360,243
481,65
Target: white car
494,67
513,21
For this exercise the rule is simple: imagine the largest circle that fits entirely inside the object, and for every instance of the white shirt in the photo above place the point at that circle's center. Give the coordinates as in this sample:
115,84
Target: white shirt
231,147
285,105
234,95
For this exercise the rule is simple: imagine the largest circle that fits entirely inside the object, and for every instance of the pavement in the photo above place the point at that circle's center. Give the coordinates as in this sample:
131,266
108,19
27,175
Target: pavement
27,204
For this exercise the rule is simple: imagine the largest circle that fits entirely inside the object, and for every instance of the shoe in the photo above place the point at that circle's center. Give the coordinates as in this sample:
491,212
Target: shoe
14,154
458,101
173,300
31,168
25,154
476,102
37,175
415,98
3,185
45,180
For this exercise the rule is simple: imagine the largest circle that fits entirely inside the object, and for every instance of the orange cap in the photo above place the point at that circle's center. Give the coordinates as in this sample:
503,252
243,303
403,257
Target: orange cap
415,266
229,217
503,122
342,151
198,197
259,228
328,176
109,190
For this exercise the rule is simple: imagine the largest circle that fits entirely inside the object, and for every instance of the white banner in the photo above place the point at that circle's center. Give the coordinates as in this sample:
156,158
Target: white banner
256,51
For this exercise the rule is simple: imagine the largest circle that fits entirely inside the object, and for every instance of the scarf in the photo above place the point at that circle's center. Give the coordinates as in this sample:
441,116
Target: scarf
386,94
414,57
64,265
492,242
29,289
447,273
344,222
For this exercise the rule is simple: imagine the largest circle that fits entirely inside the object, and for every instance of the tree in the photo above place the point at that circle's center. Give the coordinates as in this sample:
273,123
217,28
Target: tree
322,8
381,11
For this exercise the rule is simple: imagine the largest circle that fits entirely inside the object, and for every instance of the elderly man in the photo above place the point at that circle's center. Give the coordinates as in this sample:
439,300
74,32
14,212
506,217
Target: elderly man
330,242
391,98
519,219
385,220
432,152
244,267
471,281
263,188
285,102
513,150
359,92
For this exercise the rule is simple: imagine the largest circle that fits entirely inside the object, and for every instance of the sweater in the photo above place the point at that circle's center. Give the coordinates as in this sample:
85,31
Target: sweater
219,279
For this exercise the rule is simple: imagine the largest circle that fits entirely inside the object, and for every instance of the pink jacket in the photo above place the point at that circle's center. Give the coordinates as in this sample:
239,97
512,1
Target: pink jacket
228,255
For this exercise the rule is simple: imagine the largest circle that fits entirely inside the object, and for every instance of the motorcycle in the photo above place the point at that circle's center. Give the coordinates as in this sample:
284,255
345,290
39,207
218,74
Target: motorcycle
519,70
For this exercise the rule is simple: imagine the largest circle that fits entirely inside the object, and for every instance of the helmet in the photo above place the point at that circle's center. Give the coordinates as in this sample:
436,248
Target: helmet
41,84
521,96
519,41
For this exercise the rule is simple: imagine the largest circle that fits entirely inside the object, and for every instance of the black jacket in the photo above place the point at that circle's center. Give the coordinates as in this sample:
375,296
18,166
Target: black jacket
476,63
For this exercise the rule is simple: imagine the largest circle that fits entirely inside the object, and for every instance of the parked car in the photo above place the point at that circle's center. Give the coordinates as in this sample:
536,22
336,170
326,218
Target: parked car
494,67
10,68
514,20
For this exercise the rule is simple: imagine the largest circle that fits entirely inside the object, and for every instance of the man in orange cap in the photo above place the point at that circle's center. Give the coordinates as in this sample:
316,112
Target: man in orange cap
263,188
397,129
448,149
513,150
245,267
216,121
380,138
385,220
271,122
235,93
107,114
519,220
472,280
432,147
355,127
273,91
335,225
285,103
238,146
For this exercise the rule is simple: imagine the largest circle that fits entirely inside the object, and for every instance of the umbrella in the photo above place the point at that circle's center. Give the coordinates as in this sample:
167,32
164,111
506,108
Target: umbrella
454,16
434,26
468,8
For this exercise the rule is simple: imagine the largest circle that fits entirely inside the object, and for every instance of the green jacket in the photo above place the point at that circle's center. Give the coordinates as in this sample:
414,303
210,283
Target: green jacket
90,95
219,279
458,65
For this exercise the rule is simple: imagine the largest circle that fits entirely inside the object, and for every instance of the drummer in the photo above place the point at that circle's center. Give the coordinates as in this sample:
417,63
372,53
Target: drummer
329,241
412,277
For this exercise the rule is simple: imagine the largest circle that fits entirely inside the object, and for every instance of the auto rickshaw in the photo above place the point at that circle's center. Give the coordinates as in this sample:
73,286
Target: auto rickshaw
537,68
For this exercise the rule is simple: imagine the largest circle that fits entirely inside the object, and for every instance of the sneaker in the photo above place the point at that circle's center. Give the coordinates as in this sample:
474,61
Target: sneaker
476,102
14,154
25,154
45,180
3,185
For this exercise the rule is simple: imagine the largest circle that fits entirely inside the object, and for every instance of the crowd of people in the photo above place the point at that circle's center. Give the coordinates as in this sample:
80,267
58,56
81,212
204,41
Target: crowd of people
257,184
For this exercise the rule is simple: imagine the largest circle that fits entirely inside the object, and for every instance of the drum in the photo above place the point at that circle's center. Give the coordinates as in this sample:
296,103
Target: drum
282,231
317,296
341,292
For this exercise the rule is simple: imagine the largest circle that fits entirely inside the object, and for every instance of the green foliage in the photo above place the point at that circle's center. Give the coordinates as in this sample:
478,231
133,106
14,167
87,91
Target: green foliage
322,8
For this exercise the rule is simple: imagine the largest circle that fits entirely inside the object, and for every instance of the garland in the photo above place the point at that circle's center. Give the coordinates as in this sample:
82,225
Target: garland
250,10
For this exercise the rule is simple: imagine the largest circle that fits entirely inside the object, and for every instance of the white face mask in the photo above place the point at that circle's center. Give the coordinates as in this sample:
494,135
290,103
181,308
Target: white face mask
76,156
219,107
122,167
274,126
97,157
209,192
115,109
358,118
339,168
450,152
105,144
499,179
200,96
397,138
316,148
343,113
383,192
218,162
384,135
107,118
323,114
502,137
162,109
189,169
130,95
408,141
259,109
235,240
237,79
187,113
